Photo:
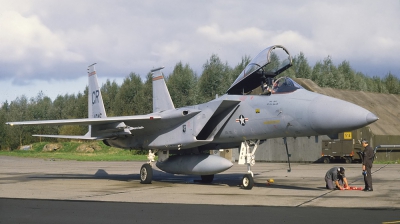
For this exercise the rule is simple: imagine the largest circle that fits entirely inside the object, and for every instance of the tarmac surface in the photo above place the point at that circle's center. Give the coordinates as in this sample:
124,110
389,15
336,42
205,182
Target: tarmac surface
61,188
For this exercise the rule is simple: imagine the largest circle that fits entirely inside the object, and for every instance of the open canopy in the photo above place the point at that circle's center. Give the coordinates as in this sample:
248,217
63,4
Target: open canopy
267,64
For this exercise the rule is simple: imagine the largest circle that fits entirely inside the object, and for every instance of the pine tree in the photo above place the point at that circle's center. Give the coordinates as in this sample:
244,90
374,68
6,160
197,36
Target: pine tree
182,85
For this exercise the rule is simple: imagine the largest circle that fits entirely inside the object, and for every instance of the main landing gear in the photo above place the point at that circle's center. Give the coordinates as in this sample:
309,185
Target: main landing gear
146,174
146,171
246,156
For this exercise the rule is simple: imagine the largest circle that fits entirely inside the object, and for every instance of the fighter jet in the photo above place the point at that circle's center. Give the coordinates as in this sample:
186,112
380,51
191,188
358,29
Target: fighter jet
183,137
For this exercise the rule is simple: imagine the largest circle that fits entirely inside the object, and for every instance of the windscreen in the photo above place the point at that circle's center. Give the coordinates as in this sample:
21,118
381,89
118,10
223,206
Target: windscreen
286,85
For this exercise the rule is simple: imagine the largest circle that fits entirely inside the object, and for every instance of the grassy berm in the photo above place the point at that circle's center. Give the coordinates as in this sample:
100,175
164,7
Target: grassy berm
87,151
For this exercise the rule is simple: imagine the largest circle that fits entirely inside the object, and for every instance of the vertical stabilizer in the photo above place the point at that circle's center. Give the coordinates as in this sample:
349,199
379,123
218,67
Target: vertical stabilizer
95,100
161,98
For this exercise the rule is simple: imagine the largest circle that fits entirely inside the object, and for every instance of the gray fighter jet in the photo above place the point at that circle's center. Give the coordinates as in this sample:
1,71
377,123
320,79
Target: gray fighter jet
182,137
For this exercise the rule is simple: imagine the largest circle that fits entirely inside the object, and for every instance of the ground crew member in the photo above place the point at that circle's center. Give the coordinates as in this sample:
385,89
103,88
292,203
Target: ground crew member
336,179
368,159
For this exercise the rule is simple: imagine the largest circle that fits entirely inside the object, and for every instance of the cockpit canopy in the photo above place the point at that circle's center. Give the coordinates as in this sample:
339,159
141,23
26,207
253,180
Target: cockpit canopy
267,64
286,85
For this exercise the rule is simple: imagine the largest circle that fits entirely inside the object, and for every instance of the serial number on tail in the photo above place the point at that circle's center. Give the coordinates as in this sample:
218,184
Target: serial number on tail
95,96
97,115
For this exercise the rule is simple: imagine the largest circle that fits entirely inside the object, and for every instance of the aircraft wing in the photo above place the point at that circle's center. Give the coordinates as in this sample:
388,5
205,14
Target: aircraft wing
99,128
90,121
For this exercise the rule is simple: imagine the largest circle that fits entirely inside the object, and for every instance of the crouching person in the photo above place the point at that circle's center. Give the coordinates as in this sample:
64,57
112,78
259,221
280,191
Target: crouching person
335,178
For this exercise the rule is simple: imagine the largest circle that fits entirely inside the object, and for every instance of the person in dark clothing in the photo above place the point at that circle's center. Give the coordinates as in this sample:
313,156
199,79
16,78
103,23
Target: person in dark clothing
336,176
368,158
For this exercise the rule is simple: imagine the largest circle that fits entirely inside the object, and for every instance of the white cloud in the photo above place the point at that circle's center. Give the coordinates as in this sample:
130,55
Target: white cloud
45,40
214,33
26,38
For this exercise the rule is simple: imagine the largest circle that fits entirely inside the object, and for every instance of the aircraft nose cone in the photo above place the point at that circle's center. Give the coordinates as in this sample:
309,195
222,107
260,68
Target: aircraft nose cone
371,118
330,115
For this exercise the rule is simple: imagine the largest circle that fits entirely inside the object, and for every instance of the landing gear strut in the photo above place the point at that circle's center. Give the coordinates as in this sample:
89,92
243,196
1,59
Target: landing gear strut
246,156
287,153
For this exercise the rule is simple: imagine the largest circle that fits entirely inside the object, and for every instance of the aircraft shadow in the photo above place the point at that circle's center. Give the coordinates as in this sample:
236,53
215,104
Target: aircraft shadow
100,174
234,180
231,180
158,176
288,187
103,174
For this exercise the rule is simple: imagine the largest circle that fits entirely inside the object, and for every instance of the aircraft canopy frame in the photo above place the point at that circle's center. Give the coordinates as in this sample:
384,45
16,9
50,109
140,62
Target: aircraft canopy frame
267,64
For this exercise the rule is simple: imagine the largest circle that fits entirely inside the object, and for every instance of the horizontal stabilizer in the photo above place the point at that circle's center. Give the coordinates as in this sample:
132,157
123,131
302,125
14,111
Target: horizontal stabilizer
84,137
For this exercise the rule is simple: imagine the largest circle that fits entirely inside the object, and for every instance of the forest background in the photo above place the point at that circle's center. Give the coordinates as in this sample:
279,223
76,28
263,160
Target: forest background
134,95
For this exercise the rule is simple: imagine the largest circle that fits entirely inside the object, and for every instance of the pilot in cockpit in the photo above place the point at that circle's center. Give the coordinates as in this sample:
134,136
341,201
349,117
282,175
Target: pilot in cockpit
275,87
269,90
281,85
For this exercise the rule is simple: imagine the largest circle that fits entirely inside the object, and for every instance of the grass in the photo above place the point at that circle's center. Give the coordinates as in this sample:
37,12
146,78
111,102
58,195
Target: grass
387,162
68,151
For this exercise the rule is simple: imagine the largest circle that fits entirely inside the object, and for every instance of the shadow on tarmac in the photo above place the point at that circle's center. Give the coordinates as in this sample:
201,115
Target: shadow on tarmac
231,180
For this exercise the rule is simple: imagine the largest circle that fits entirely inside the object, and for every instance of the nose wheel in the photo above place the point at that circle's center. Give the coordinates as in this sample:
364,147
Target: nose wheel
247,182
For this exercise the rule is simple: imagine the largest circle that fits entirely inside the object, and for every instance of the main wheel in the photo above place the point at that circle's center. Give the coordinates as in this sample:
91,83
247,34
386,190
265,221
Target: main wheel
207,178
247,182
348,159
326,159
146,174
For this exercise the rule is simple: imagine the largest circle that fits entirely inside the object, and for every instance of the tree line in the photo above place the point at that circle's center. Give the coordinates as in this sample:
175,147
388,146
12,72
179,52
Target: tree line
134,95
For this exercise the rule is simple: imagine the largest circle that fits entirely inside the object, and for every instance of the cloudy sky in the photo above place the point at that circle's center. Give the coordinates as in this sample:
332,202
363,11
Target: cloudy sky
48,44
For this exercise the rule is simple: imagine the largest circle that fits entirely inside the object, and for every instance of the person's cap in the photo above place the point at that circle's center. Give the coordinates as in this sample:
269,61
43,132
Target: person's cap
364,141
341,170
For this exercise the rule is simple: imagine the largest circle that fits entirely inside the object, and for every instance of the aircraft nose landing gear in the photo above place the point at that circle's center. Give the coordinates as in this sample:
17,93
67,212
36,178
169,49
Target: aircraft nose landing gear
247,182
246,156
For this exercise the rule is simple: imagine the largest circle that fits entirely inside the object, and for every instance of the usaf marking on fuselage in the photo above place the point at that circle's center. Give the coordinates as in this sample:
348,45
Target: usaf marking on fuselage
182,137
242,120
